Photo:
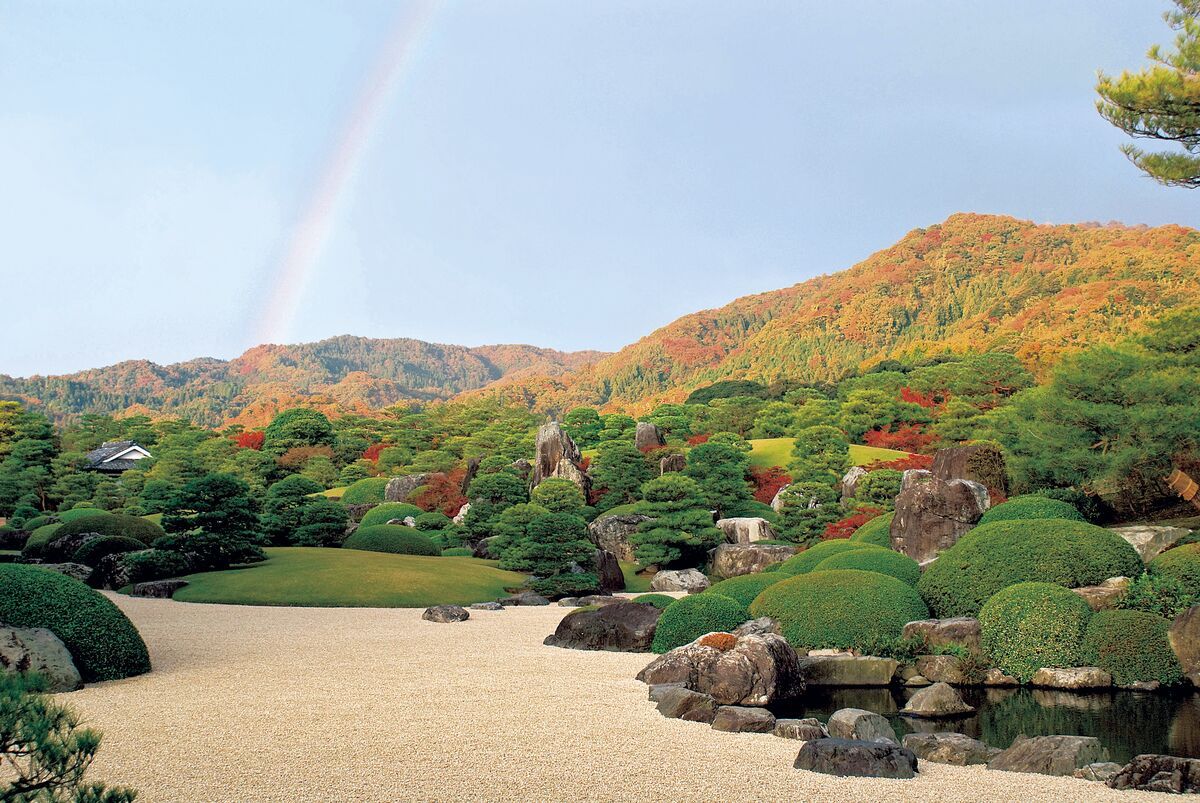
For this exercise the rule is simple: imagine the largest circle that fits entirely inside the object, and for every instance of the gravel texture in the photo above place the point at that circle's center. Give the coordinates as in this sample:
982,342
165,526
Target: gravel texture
356,704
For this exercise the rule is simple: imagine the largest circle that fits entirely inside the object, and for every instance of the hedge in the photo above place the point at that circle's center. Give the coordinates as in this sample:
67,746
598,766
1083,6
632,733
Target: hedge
994,556
1032,506
884,561
1028,626
39,538
659,601
38,521
458,552
365,492
382,514
78,513
807,560
113,524
744,588
1181,563
1131,646
877,531
102,641
689,618
842,608
95,550
395,538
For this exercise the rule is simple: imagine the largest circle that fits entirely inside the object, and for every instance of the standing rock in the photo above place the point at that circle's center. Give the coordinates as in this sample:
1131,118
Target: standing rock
648,436
932,514
777,500
612,533
857,758
672,463
35,649
742,719
446,614
949,748
1078,677
554,448
753,670
681,703
523,468
400,488
960,631
692,581
1150,540
609,571
1152,773
746,530
857,723
849,484
1184,637
461,515
568,470
981,463
473,464
938,700
734,560
1050,755
619,627
805,730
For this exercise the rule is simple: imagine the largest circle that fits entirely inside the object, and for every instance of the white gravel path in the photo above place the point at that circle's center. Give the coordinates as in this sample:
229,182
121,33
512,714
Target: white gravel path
353,704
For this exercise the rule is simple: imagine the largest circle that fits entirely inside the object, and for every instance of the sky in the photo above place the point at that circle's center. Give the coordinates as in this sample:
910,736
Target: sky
193,178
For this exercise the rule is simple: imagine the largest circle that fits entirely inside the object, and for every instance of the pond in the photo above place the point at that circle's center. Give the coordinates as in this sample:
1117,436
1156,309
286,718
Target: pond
1128,723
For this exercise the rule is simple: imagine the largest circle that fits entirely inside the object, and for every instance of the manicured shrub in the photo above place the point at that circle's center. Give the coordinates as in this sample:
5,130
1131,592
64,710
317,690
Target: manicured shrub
78,513
365,492
1027,626
91,553
1181,563
877,531
38,521
113,524
843,608
39,538
659,601
102,641
689,618
382,514
1158,594
394,538
155,564
807,560
884,561
1031,506
433,522
998,555
745,588
458,552
1132,646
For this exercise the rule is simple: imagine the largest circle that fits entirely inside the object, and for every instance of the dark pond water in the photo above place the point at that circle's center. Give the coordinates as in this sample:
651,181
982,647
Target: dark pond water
1126,722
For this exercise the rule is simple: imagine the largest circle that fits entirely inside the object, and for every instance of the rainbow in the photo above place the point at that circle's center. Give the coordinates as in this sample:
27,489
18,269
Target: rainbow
295,269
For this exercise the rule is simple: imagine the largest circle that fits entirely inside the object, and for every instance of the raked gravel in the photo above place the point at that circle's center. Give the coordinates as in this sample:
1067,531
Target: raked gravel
357,704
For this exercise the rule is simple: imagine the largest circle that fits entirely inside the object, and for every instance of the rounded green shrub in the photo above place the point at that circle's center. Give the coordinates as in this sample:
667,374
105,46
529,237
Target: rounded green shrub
1027,626
39,538
365,492
78,513
689,618
998,555
884,561
1031,506
38,521
95,550
113,524
877,531
659,601
843,608
1181,563
744,588
154,564
807,560
382,514
102,641
1131,646
458,552
395,538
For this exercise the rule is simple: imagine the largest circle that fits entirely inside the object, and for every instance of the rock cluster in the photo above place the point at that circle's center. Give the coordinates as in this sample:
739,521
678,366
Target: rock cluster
1159,774
755,670
446,614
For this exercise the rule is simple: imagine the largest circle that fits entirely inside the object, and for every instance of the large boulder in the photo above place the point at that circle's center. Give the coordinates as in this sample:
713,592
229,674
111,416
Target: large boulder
746,530
612,533
692,581
446,614
618,627
483,548
982,463
553,447
35,649
1050,755
743,719
932,513
858,723
671,464
158,589
1152,773
949,748
64,547
1106,595
941,669
400,488
937,701
1151,540
1184,636
734,670
734,560
648,436
805,729
1078,677
847,670
76,571
849,484
608,569
680,703
959,631
857,758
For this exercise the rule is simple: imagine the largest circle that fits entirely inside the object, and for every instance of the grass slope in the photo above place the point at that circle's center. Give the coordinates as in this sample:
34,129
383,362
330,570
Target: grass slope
331,578
767,452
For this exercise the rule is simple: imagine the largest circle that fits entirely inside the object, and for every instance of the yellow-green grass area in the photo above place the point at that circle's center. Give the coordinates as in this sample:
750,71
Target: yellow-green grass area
635,583
154,517
351,578
334,493
767,452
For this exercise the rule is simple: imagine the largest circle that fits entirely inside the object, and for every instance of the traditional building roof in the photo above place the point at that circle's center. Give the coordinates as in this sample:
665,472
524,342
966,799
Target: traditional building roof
116,456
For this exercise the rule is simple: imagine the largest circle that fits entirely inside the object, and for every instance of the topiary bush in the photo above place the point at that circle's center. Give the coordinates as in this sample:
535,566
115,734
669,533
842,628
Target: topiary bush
744,588
1031,506
394,538
38,539
91,553
659,601
365,492
102,641
38,521
689,618
1027,626
155,564
1004,553
78,513
807,560
1131,646
382,514
843,608
877,531
1181,563
113,524
884,561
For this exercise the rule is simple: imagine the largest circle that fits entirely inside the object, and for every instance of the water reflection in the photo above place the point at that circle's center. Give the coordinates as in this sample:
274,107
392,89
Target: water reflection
1126,722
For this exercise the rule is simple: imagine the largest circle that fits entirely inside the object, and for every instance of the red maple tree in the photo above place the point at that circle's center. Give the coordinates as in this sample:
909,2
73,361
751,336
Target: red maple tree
767,482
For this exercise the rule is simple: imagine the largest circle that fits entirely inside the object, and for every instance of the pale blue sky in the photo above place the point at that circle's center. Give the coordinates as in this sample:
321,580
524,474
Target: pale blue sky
569,174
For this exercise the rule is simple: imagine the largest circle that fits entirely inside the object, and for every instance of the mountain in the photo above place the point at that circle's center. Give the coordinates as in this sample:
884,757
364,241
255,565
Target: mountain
973,282
340,375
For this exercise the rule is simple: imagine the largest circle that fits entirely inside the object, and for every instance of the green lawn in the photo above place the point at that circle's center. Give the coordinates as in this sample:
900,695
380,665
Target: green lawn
327,578
767,452
635,583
